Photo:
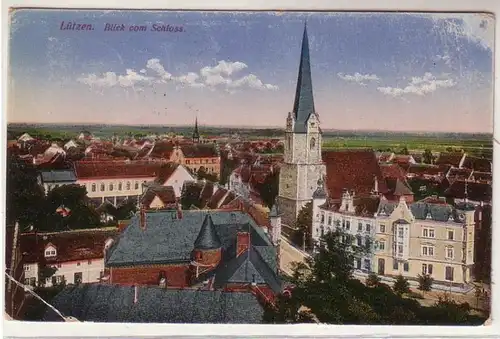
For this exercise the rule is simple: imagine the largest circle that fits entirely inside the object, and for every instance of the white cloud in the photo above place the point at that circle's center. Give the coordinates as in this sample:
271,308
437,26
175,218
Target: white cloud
358,77
223,68
420,85
444,58
211,77
477,28
252,81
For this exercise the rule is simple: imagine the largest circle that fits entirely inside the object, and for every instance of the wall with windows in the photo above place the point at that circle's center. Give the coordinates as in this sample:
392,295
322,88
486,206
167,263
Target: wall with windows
119,187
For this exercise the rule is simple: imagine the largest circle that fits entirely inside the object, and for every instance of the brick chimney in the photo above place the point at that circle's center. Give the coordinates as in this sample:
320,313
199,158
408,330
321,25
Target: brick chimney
242,243
142,217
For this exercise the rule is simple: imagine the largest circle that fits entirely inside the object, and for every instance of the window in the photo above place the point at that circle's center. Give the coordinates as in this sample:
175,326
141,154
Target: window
128,185
111,187
102,187
329,220
50,252
400,249
450,252
27,281
360,241
426,269
32,281
136,185
394,264
368,227
54,281
322,218
400,233
451,234
381,245
78,264
94,187
358,264
428,233
313,143
59,265
368,265
347,225
448,273
59,279
382,228
120,186
77,278
26,268
187,162
428,250
360,227
406,267
368,242
89,262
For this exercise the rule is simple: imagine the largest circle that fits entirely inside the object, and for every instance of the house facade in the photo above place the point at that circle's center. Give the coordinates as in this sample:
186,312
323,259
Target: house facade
77,256
425,237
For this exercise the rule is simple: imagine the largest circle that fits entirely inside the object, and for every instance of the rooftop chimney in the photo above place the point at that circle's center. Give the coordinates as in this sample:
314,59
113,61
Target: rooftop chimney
242,243
142,217
136,294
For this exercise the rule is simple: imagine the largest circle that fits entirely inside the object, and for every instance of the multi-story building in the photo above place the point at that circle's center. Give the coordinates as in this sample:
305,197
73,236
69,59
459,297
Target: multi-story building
77,256
424,237
303,165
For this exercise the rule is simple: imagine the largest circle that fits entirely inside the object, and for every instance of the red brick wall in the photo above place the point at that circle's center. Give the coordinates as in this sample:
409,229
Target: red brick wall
177,275
208,257
242,242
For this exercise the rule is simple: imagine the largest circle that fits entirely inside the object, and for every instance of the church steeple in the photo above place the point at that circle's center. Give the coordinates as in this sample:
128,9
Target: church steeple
303,105
196,134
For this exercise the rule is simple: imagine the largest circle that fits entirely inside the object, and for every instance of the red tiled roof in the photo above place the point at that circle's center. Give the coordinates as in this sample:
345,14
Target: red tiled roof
476,191
115,169
424,169
199,151
162,150
70,246
481,176
165,172
385,156
392,171
477,164
353,170
215,200
165,193
453,159
259,216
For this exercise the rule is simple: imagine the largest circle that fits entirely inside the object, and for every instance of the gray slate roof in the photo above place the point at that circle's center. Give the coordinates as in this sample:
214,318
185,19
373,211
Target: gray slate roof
207,238
50,176
168,239
303,105
423,210
113,303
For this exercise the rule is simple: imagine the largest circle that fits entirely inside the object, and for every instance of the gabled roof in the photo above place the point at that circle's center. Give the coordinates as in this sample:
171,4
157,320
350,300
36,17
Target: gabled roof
425,169
57,176
303,105
398,187
476,191
392,171
199,151
166,194
71,245
114,303
207,238
353,170
477,164
450,158
116,169
166,171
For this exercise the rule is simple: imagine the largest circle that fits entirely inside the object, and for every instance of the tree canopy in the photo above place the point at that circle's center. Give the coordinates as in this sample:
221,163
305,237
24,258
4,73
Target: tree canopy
269,189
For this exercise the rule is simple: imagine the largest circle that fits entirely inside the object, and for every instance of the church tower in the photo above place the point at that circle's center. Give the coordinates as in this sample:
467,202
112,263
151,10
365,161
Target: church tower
303,165
196,134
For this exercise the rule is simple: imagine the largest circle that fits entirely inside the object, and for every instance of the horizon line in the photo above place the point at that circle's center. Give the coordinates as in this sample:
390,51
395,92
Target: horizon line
241,127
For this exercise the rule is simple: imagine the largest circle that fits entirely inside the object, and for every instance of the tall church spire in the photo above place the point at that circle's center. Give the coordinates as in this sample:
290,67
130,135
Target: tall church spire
303,106
196,134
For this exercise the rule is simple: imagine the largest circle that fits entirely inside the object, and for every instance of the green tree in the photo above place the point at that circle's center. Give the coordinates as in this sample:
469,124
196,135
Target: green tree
125,210
427,157
227,167
203,174
45,272
404,151
401,285
304,224
425,282
372,280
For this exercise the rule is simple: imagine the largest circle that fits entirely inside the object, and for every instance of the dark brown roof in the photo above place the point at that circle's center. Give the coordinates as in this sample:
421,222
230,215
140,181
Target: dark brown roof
70,246
475,191
477,164
385,156
352,170
424,169
162,150
165,172
398,187
392,171
215,200
459,173
199,151
165,193
116,169
258,215
452,158
481,176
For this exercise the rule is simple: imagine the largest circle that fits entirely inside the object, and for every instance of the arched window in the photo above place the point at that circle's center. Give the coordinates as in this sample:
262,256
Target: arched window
103,187
313,143
94,187
136,185
111,187
120,186
128,185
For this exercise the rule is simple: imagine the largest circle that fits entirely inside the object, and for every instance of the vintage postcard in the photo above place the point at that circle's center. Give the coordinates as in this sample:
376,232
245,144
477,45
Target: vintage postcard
249,167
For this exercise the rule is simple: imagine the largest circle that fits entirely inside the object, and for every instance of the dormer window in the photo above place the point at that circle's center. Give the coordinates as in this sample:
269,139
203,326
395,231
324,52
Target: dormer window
313,143
50,251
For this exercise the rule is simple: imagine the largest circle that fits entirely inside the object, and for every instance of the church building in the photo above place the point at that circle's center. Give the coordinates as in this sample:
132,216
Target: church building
303,165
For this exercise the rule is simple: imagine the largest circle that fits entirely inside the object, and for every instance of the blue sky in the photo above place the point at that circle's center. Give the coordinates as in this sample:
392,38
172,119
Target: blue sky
415,72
